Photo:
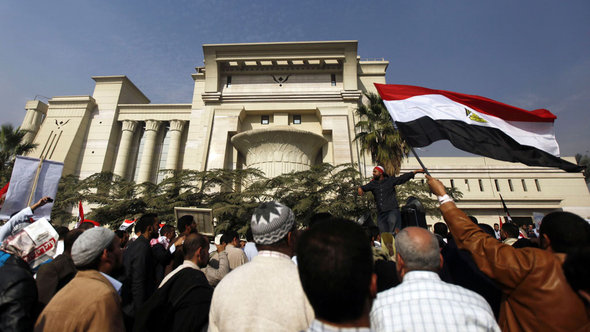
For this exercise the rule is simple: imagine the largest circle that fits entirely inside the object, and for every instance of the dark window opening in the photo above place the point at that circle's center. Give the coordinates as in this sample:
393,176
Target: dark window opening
265,119
538,185
297,119
510,185
333,79
497,185
228,82
523,185
480,184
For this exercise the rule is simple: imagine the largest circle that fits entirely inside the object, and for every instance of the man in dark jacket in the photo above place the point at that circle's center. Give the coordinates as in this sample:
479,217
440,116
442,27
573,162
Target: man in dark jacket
383,189
182,302
18,295
52,276
139,282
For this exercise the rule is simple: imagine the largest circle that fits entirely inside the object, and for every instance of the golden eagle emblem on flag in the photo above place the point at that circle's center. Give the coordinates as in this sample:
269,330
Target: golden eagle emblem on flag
474,117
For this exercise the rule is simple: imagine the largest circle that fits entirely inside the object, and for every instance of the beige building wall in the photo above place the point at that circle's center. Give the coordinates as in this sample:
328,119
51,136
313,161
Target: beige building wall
279,106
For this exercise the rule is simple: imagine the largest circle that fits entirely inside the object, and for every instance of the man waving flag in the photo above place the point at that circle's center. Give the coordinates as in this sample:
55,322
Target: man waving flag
474,124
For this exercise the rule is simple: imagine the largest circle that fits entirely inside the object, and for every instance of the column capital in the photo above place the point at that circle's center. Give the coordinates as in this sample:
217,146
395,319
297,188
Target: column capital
129,125
152,125
177,125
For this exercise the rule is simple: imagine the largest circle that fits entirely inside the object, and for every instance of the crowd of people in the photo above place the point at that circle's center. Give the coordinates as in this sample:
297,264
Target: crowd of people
334,275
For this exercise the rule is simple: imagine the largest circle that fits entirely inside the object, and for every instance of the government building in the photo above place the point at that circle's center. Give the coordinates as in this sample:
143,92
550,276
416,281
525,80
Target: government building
278,107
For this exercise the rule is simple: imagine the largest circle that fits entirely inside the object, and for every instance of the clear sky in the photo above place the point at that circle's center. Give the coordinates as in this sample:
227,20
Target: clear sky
531,54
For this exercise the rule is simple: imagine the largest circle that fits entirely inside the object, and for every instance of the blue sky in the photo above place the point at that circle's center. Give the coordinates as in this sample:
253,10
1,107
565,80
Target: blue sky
531,54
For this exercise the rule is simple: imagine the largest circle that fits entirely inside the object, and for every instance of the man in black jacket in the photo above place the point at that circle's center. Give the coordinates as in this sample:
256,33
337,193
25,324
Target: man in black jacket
139,282
383,189
182,302
18,295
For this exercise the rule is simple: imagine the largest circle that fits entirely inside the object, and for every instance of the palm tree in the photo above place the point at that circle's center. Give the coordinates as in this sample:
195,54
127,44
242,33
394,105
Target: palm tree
378,136
11,145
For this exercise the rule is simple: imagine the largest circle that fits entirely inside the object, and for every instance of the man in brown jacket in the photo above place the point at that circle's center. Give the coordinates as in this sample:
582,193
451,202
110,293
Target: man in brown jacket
90,301
536,295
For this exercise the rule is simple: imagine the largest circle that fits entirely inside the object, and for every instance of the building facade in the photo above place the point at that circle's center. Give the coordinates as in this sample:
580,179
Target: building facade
279,107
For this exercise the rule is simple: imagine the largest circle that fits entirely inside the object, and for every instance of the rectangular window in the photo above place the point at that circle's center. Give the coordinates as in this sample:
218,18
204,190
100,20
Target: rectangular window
297,119
467,185
453,184
228,82
510,185
538,184
333,79
480,184
265,119
523,185
497,185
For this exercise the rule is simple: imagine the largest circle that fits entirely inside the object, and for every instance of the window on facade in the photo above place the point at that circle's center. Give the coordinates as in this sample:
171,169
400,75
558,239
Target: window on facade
480,184
467,185
297,119
333,79
510,185
228,82
453,184
497,185
523,185
538,184
265,119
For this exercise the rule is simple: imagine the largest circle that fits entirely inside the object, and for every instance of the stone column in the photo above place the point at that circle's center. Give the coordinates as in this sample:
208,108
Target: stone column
32,121
175,133
149,146
122,162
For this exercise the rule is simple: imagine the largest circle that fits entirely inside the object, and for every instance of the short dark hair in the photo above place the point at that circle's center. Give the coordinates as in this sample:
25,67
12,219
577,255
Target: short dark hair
475,221
441,229
193,242
165,229
229,236
335,265
86,225
565,230
120,233
70,238
577,268
184,221
510,229
249,235
144,222
62,231
488,229
319,217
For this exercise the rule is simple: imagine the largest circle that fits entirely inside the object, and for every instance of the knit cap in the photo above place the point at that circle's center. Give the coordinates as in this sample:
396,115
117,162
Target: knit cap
90,244
271,222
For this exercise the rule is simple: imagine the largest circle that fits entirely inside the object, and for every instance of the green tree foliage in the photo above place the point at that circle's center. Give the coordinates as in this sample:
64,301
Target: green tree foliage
377,135
231,194
11,145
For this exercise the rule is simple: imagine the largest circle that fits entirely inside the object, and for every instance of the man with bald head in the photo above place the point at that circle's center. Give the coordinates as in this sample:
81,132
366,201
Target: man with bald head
422,301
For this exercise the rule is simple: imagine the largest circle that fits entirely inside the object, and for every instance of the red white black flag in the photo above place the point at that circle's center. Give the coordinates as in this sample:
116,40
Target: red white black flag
474,124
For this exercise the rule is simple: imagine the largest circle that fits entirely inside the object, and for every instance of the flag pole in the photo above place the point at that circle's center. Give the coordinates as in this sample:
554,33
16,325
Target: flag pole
35,182
419,161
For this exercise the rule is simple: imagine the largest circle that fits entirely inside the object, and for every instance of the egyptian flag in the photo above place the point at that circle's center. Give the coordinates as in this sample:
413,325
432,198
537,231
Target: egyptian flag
126,224
474,124
80,214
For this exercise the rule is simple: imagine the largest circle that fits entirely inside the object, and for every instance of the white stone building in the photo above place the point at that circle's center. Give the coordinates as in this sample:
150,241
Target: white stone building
279,107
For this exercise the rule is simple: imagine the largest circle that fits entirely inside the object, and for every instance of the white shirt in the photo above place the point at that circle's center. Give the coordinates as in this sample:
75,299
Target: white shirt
423,302
250,250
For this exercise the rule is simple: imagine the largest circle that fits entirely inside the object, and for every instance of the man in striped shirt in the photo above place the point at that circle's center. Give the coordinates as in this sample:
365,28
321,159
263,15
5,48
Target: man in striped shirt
423,302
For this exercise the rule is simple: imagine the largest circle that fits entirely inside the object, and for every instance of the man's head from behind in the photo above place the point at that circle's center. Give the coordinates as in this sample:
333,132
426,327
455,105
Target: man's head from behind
335,265
196,249
272,224
230,237
509,230
417,250
186,224
563,231
147,226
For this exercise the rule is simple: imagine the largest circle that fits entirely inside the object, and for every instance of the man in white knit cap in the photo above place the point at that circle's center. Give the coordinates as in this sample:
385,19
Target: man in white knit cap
90,302
264,294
